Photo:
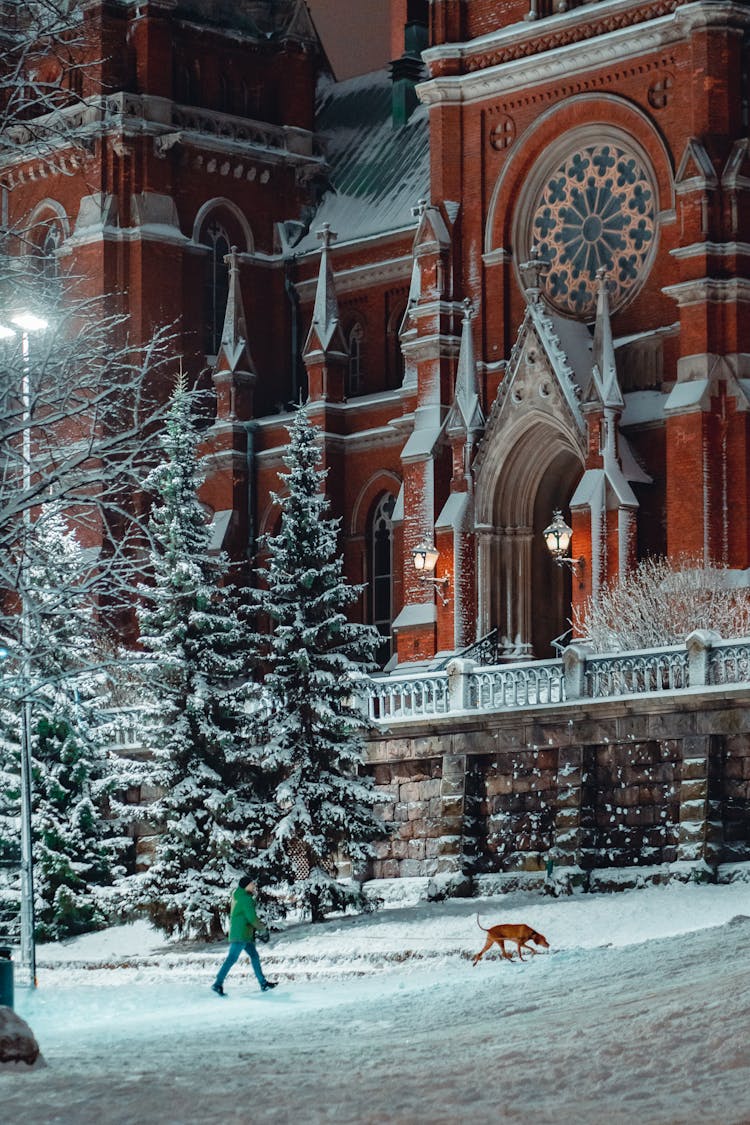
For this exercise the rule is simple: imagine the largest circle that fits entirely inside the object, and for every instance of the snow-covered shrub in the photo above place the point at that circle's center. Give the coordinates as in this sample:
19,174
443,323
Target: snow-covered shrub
660,602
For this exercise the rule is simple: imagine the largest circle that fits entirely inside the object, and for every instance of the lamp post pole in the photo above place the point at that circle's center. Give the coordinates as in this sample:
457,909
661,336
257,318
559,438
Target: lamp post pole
27,323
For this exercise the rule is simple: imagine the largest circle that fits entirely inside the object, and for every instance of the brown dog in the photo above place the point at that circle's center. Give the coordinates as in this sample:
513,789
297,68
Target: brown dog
519,933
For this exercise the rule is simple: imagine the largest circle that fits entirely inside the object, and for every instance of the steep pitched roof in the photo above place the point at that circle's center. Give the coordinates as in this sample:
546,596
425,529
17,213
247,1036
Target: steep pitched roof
377,172
263,19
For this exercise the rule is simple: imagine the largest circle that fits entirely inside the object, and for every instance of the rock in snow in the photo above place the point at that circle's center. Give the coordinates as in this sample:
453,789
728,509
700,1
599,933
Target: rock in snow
18,1047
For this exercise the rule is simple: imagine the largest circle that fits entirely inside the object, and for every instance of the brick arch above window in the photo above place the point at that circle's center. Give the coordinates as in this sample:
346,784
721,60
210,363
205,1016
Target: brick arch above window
47,213
269,520
369,497
46,230
230,216
561,125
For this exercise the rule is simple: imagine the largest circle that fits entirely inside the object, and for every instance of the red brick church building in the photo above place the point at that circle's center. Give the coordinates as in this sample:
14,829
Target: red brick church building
510,273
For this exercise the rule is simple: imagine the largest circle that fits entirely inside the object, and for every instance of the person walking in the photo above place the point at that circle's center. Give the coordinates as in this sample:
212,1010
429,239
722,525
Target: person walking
244,924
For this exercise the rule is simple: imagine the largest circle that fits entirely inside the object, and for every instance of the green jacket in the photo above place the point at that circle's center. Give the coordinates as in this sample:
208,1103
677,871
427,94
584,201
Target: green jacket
243,921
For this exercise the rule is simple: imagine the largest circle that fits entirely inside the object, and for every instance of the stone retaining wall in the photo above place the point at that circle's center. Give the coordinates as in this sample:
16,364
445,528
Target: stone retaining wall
651,780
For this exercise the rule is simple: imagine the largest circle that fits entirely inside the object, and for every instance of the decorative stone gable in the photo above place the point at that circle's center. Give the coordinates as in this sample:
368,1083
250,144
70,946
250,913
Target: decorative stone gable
539,384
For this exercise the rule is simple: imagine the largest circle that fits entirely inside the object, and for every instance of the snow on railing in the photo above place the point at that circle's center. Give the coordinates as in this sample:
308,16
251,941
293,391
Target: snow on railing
521,685
463,685
704,659
632,673
126,725
409,697
729,662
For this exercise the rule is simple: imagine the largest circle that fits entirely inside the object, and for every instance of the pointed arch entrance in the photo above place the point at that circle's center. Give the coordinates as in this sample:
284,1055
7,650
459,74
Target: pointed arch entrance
527,472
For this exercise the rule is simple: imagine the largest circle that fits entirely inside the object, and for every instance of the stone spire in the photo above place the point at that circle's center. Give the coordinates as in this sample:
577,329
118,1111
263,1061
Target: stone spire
234,354
325,354
325,333
234,374
605,366
466,407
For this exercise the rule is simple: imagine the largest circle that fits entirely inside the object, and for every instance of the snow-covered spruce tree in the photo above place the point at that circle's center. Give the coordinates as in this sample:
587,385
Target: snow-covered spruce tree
660,602
197,717
10,789
311,736
76,844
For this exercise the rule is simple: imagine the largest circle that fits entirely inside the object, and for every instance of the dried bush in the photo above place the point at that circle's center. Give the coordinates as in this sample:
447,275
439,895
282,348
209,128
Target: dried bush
661,602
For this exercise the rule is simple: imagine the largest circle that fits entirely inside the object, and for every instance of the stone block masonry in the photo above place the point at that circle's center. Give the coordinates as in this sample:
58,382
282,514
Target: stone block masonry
588,785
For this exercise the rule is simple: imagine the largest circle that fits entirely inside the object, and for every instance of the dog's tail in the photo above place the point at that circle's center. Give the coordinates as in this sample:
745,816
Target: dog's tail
481,927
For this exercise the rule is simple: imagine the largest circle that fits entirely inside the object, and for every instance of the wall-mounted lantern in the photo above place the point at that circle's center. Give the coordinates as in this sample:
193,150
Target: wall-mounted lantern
425,556
558,536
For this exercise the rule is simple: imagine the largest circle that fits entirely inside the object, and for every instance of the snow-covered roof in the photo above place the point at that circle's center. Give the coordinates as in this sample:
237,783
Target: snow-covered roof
643,406
683,396
377,172
262,19
423,613
454,511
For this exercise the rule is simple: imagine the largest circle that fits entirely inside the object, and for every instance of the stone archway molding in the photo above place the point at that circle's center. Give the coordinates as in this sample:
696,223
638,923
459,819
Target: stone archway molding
222,203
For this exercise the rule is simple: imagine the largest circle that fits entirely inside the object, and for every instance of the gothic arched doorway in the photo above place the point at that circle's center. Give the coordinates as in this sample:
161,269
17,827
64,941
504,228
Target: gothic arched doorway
522,593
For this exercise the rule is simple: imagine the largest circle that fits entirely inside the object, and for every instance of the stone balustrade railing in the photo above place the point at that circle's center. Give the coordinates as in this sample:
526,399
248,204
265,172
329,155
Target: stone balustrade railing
702,661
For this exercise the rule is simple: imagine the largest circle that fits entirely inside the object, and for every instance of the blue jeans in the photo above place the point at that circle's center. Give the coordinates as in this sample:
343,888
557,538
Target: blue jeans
235,948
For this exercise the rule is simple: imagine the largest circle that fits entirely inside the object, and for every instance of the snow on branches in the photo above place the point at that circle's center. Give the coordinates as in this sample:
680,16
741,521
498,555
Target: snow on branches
320,806
197,692
661,602
77,844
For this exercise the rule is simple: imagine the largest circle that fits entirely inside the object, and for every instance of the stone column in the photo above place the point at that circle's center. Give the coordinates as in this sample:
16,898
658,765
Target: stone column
700,835
699,644
574,668
453,799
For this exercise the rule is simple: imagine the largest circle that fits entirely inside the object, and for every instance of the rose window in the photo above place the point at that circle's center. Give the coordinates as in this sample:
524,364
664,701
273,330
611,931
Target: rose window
596,210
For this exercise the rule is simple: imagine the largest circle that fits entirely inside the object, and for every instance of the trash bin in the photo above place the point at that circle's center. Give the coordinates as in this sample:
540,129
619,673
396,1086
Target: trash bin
6,978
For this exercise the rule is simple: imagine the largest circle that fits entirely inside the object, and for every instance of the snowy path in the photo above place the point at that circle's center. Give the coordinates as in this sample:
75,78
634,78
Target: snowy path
651,1033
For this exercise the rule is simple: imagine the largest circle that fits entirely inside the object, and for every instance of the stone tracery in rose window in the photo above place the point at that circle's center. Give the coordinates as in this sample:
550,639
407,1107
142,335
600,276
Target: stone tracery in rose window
596,209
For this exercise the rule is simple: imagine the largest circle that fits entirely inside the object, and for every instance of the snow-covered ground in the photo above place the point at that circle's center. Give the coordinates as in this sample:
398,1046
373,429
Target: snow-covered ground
640,1013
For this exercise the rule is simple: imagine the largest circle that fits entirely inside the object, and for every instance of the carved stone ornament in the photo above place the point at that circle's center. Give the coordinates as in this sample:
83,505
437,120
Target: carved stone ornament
596,210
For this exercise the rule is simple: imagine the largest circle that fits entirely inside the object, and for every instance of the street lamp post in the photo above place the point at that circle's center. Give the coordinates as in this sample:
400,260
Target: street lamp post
27,323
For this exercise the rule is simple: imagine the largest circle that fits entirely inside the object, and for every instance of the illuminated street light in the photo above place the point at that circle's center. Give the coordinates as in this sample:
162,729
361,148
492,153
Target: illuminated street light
28,323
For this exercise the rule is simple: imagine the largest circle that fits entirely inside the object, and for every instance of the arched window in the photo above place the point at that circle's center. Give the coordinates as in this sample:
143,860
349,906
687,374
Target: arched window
226,95
381,572
182,82
49,264
250,100
395,370
356,336
217,284
194,83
